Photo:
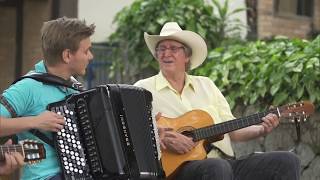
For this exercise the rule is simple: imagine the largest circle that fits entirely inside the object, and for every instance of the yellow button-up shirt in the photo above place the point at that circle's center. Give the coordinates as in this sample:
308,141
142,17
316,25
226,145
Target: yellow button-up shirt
198,93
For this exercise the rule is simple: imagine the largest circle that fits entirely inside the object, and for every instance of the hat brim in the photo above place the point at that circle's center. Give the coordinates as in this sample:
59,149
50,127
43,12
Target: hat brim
189,38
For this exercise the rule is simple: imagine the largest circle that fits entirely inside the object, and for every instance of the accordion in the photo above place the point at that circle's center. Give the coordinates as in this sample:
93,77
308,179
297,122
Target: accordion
109,134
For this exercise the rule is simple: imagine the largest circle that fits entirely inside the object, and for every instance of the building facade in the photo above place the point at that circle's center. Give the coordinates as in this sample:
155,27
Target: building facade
20,22
291,18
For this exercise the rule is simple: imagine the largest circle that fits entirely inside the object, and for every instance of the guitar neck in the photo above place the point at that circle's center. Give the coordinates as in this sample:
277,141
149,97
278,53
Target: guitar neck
229,126
10,148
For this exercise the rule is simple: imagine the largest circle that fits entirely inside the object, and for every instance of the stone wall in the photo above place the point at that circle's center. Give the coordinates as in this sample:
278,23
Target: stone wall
284,137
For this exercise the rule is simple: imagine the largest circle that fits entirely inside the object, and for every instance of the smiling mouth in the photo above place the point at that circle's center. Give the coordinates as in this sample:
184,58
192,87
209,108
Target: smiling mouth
167,61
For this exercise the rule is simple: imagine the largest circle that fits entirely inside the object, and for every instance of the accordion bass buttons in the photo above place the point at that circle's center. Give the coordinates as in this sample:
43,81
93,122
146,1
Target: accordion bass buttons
69,147
88,136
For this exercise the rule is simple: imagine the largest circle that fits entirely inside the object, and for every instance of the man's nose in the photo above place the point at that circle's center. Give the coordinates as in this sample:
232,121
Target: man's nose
167,52
90,56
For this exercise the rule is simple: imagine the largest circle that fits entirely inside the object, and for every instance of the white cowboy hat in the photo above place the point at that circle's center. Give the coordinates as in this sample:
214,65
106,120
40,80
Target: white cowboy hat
171,30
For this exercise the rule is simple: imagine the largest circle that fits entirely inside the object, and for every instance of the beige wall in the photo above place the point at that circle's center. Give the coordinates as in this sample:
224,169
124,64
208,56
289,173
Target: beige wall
101,12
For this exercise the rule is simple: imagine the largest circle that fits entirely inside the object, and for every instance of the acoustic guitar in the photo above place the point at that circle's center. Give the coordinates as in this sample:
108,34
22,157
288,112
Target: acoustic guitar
200,126
32,151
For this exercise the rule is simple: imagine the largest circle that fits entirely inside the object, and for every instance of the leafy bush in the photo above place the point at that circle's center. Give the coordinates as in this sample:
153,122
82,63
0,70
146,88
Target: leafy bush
275,72
132,57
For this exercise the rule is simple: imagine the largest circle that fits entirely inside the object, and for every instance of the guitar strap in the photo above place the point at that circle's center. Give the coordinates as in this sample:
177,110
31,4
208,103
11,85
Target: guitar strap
47,79
42,136
297,123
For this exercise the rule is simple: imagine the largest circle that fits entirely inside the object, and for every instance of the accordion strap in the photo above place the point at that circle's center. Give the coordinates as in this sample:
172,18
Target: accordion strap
54,80
42,136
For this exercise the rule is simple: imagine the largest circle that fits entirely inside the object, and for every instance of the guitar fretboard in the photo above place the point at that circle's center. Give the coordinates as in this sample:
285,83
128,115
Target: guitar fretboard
225,127
9,148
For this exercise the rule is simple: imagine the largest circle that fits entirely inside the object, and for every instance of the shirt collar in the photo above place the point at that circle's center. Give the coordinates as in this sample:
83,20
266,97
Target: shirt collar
40,67
162,82
189,82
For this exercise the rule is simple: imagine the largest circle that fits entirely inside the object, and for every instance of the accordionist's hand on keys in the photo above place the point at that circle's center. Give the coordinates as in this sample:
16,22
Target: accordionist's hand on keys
173,141
49,121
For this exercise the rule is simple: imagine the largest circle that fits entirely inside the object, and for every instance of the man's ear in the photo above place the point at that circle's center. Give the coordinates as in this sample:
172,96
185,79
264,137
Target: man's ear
66,54
156,55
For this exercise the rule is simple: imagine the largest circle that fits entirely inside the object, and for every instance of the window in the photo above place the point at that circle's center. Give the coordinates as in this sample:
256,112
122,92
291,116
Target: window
294,7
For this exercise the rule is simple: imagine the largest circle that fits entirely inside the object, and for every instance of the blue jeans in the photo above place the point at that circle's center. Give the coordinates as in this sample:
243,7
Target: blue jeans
262,166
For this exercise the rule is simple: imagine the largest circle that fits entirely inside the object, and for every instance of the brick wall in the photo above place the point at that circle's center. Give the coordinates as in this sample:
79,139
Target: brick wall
35,12
7,45
270,24
316,15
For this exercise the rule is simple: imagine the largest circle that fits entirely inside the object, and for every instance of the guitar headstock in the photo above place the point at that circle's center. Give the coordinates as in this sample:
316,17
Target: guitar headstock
33,151
299,111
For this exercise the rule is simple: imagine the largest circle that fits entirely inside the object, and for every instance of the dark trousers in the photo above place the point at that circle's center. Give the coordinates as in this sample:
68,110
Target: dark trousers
56,177
263,166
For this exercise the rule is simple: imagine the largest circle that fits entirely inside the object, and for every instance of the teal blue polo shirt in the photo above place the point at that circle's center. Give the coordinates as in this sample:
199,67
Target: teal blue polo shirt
29,97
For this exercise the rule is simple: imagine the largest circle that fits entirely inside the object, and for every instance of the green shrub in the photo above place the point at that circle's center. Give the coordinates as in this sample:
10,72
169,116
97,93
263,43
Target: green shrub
275,72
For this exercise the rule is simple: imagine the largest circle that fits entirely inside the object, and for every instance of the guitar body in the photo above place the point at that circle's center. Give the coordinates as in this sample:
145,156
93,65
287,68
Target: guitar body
189,121
200,126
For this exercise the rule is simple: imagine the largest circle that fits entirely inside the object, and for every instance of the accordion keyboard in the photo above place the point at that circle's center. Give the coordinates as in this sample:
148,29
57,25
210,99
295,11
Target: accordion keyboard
69,147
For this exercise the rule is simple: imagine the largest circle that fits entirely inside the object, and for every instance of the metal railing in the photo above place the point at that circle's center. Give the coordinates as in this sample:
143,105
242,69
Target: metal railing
97,70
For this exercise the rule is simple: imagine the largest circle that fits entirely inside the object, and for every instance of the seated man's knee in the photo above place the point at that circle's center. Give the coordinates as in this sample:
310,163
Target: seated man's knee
206,169
217,166
288,163
288,158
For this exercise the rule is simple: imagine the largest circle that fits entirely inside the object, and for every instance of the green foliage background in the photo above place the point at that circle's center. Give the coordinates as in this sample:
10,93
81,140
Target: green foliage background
132,57
266,72
262,72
